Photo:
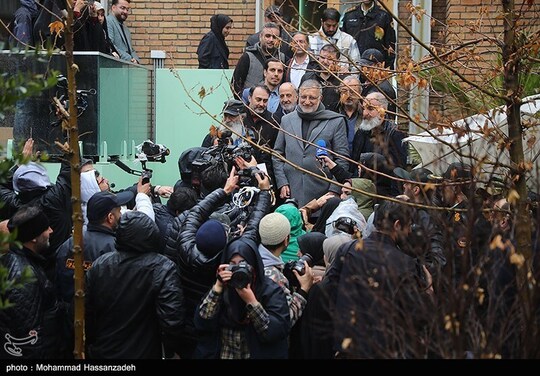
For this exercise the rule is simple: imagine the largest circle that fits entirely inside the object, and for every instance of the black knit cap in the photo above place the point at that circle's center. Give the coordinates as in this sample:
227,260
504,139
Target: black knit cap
29,226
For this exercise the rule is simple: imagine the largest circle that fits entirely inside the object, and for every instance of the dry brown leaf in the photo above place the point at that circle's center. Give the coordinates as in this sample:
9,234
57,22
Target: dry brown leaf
531,141
202,92
213,131
379,32
517,259
496,243
481,296
56,27
513,197
346,343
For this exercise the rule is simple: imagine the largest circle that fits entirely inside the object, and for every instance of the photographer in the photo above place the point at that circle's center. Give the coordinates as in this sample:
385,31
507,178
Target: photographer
275,230
195,244
232,127
245,315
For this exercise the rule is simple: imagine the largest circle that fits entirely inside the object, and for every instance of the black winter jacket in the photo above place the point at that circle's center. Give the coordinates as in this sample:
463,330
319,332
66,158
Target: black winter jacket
363,29
272,344
211,53
134,298
97,241
55,203
197,270
32,322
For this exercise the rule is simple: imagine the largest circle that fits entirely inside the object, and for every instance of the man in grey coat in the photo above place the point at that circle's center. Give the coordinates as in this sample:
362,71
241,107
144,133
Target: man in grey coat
119,33
311,122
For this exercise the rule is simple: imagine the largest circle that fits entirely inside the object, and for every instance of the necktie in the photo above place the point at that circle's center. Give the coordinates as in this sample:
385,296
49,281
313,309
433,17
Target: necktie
125,39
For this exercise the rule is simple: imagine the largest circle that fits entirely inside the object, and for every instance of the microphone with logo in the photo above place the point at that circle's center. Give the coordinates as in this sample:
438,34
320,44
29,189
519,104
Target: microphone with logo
321,152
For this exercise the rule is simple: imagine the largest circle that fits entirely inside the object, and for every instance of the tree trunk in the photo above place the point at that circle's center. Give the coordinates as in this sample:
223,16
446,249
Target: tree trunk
511,64
73,139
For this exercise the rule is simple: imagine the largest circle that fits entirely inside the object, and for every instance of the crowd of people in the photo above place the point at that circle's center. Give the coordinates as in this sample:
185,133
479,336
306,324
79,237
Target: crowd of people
297,229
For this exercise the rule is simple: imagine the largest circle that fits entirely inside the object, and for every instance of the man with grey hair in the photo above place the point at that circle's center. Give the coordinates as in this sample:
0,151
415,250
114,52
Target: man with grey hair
305,131
288,99
377,134
249,70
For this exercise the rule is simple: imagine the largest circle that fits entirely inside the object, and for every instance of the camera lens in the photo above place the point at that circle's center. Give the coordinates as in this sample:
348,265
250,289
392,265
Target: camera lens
241,275
300,267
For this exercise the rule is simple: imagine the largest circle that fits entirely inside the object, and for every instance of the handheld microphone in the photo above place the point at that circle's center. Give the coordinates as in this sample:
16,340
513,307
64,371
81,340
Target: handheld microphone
321,152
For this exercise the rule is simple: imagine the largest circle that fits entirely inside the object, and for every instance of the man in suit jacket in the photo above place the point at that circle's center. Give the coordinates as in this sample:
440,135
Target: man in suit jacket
119,33
311,122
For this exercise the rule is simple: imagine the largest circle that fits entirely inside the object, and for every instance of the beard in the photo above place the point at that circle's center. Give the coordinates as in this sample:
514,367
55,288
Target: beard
308,110
288,108
369,124
259,110
235,126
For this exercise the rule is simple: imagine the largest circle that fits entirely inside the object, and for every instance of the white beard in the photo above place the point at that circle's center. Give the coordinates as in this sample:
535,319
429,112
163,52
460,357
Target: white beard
367,125
308,110
289,108
237,127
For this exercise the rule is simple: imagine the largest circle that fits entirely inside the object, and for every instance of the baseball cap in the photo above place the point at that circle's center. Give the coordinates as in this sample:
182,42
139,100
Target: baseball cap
421,175
233,107
273,9
101,203
98,5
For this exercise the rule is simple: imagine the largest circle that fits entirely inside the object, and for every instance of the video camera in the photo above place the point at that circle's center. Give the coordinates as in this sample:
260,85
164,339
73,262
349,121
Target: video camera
225,153
148,151
62,95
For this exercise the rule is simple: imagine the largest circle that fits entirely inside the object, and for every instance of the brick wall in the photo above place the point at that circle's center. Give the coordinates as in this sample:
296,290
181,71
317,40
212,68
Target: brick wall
457,22
177,27
439,15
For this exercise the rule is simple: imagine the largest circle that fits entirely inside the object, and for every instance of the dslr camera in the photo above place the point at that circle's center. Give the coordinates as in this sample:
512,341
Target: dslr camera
299,266
247,177
345,224
242,274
